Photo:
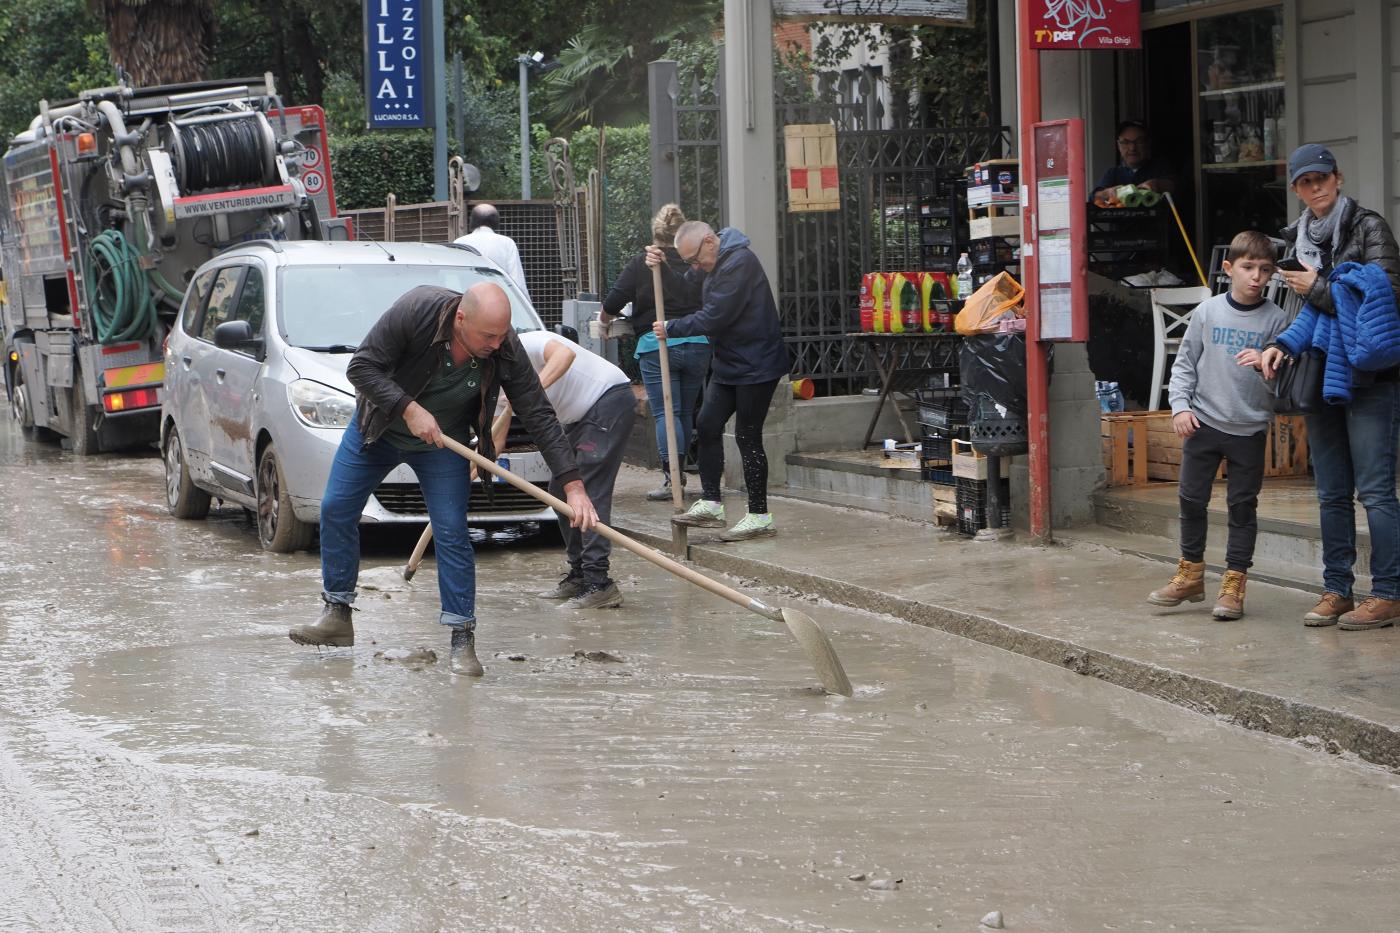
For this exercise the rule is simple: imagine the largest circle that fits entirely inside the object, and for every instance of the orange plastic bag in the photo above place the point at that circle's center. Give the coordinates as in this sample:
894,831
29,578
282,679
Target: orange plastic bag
999,297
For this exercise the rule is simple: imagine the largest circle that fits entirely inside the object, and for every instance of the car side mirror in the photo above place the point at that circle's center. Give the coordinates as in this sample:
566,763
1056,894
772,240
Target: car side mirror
564,330
236,335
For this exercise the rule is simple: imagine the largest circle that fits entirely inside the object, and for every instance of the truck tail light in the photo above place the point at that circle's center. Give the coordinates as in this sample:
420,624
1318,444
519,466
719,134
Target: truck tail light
87,144
132,398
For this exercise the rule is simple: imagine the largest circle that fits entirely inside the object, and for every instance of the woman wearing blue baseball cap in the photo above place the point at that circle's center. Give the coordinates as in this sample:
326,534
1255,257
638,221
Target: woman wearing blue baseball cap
1352,445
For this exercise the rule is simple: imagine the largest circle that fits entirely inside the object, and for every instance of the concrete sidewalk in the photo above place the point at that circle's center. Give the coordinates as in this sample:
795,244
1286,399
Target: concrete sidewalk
1079,606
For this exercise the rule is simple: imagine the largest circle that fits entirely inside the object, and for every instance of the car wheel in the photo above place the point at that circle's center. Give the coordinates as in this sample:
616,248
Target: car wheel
279,530
182,497
84,436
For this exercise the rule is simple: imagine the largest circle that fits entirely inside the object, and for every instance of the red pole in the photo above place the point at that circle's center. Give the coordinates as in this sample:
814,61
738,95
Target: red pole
1037,376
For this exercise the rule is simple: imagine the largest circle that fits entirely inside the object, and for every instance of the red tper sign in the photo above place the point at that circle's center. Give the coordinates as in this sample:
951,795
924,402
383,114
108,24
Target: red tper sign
1086,24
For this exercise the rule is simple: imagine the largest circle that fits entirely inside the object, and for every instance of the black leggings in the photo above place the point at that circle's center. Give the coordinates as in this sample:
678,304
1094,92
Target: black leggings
749,406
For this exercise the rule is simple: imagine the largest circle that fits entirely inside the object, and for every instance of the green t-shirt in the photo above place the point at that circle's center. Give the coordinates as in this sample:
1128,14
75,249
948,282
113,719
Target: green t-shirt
452,396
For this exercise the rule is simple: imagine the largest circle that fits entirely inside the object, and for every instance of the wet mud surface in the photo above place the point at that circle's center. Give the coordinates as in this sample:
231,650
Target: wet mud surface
170,761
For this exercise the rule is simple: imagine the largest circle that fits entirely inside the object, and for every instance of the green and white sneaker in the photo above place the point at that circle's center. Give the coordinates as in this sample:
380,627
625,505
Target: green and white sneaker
703,514
751,526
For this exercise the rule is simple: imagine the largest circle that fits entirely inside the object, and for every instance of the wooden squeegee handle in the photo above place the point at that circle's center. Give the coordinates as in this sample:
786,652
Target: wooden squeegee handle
617,537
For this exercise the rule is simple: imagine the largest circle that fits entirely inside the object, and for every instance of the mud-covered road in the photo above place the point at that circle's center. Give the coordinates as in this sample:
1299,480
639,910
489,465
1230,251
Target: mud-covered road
170,761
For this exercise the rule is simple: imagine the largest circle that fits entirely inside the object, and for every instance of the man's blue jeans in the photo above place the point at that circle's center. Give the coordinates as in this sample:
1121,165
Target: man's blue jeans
1353,450
688,362
445,479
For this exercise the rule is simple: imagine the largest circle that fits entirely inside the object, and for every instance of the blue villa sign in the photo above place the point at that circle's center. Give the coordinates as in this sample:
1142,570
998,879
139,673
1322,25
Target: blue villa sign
399,80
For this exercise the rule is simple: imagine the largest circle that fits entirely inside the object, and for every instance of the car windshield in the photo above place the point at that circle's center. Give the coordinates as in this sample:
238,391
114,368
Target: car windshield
333,307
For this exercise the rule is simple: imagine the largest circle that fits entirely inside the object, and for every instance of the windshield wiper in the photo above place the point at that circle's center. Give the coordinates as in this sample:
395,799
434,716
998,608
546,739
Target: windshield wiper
333,348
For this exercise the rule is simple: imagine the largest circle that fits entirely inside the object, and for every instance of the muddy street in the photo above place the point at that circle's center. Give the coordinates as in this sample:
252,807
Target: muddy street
170,761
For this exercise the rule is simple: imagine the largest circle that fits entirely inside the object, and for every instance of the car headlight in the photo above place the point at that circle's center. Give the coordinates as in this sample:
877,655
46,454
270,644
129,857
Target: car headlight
319,405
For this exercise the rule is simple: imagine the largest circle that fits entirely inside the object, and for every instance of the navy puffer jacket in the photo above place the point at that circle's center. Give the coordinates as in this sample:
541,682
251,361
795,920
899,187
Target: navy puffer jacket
739,316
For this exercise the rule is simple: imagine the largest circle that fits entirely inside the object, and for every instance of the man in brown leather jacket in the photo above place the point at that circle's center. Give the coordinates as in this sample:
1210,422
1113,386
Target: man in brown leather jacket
432,366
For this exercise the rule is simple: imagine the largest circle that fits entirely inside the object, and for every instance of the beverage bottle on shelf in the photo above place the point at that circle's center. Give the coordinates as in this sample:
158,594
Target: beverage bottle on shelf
879,302
964,277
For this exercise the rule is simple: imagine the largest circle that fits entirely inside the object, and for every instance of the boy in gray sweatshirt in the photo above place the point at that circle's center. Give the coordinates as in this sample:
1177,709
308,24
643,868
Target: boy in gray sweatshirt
1222,409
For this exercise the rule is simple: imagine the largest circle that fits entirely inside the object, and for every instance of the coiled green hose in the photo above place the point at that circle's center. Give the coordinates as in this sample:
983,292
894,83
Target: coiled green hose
119,292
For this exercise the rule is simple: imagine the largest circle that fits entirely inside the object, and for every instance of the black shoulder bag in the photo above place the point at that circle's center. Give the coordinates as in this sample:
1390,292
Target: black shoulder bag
1297,385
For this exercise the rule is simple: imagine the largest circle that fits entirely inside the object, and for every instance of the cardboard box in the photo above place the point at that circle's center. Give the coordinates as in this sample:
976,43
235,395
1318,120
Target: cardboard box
981,228
813,182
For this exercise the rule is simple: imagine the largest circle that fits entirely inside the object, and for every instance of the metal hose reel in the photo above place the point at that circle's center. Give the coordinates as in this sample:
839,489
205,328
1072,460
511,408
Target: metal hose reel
222,151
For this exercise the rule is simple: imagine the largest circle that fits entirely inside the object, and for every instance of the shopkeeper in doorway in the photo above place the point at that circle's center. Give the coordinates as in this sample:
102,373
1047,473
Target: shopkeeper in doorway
1136,165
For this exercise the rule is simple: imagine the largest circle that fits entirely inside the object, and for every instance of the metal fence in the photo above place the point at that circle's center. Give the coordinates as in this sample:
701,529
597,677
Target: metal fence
885,176
531,224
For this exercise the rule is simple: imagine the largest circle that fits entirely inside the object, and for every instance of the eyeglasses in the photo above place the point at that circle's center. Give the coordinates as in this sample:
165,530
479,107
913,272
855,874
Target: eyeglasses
1132,142
695,260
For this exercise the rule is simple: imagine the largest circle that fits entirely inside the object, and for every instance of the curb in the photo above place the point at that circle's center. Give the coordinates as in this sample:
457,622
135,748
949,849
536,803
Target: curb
1312,726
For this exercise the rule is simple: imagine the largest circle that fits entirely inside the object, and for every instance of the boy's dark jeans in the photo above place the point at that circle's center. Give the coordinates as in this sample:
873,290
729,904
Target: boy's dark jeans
1201,454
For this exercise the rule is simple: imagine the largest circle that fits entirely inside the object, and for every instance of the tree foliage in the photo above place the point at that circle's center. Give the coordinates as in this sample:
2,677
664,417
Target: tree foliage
49,49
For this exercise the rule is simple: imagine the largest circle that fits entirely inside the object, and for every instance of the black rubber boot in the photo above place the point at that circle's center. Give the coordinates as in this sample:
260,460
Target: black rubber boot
334,629
464,659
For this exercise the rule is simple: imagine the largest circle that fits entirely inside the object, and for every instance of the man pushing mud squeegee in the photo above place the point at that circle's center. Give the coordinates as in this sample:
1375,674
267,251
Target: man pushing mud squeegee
431,369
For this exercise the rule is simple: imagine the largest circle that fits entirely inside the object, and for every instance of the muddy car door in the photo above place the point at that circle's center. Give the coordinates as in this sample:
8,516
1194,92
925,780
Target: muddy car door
234,393
209,371
183,396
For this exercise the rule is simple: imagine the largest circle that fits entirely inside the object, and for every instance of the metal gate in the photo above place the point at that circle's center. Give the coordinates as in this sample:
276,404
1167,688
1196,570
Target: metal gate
886,175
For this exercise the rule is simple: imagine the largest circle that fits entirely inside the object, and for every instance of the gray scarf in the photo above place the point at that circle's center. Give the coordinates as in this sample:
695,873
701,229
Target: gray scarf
1318,236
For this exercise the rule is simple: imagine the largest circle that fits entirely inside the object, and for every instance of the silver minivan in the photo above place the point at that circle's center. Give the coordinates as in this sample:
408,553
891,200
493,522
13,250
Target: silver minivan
256,397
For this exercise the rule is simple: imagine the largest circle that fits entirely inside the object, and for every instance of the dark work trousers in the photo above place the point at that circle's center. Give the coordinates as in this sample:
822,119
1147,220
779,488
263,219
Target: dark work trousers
1201,454
598,439
749,407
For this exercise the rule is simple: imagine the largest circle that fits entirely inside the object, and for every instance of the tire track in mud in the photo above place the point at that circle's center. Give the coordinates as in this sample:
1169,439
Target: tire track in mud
108,844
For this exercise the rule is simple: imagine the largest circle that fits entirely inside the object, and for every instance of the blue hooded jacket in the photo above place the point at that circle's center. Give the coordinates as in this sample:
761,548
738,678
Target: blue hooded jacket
739,316
1362,338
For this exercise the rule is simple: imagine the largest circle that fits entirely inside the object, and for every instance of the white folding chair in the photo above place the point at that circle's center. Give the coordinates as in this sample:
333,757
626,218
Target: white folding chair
1171,312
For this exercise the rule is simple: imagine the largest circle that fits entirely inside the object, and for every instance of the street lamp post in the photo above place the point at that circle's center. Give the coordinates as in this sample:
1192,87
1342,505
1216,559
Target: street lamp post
524,61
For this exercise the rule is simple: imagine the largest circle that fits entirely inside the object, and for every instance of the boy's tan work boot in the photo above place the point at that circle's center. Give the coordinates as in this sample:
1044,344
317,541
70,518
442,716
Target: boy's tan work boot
1230,603
1188,585
1328,610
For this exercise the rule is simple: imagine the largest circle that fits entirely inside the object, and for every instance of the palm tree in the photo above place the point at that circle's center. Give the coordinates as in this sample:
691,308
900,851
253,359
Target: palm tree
159,41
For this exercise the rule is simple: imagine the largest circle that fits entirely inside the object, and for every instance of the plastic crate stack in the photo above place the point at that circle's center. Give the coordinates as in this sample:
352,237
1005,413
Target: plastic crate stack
971,504
943,419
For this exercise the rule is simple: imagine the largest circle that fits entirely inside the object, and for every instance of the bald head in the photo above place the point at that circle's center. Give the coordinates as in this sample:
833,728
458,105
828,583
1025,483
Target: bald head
483,319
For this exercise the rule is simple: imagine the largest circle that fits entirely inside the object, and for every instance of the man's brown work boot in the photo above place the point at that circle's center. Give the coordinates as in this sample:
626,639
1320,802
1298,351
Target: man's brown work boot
334,629
1328,610
1188,585
1373,612
1230,603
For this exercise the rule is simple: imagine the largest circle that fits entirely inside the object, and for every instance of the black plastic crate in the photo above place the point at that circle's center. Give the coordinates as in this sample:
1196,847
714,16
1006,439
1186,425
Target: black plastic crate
942,412
991,251
943,476
970,500
936,447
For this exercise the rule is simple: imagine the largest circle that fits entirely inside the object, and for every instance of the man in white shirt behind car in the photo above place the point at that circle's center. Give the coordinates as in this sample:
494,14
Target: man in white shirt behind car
593,401
497,247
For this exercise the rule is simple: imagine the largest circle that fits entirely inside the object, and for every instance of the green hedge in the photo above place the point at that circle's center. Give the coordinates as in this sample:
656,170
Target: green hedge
368,168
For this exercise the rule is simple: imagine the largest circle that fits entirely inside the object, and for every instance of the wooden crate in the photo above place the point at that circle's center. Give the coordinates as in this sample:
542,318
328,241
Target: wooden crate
945,509
1124,436
1287,451
1141,446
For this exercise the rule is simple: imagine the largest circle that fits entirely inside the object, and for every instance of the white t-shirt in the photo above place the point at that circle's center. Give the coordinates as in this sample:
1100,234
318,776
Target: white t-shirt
579,389
501,250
